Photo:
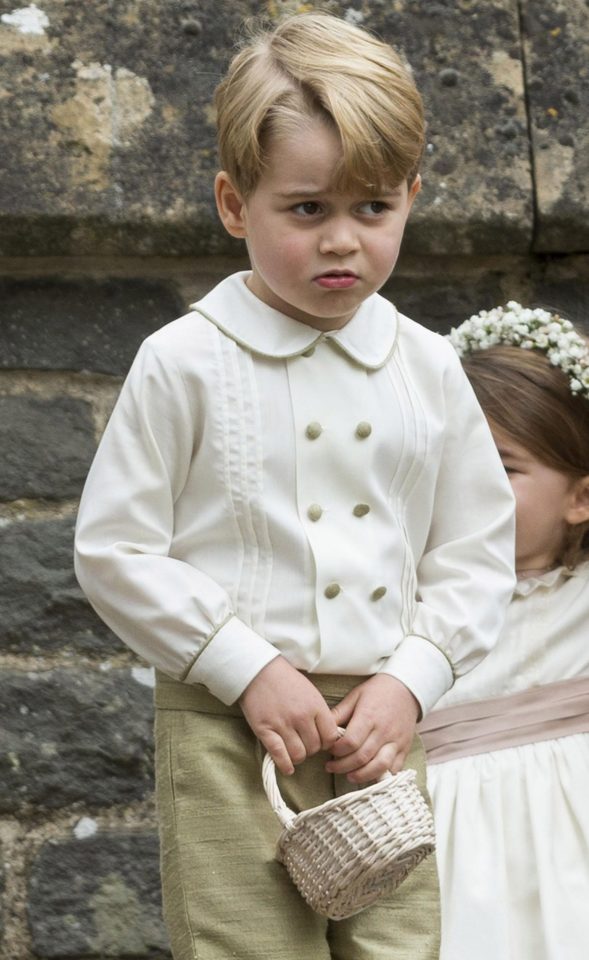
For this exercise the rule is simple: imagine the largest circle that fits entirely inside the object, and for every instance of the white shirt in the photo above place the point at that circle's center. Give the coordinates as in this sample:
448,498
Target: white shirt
263,488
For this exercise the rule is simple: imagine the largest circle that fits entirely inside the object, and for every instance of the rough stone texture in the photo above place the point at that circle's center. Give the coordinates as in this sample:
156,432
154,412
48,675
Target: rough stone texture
69,735
2,878
97,897
443,302
114,143
54,324
42,608
441,294
557,49
108,112
564,286
47,446
477,189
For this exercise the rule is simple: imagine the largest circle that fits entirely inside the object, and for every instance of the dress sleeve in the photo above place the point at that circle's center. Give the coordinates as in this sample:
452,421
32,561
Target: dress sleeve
174,616
465,577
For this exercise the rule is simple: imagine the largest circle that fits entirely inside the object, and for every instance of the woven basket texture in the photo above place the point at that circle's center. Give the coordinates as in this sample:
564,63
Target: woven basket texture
344,854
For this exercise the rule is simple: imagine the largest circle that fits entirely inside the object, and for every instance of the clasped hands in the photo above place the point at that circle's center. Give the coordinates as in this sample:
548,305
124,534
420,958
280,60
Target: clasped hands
292,720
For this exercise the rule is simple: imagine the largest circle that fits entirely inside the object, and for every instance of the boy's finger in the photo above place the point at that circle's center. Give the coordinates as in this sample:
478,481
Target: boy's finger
327,729
309,738
276,747
387,759
343,711
359,734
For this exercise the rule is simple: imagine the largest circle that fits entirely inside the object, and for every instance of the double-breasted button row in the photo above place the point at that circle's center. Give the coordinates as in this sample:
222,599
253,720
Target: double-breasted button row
315,511
332,590
314,430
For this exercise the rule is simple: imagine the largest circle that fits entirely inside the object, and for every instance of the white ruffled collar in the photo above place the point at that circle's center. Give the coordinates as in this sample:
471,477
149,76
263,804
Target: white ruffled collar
524,588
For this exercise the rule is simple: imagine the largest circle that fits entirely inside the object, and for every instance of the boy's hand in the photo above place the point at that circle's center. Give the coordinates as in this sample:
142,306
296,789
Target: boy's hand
380,717
288,715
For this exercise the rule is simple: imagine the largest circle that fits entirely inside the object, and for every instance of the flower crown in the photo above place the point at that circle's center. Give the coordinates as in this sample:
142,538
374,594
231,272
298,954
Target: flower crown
529,329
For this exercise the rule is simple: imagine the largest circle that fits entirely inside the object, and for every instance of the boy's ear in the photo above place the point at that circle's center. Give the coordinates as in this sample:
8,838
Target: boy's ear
415,187
230,206
578,508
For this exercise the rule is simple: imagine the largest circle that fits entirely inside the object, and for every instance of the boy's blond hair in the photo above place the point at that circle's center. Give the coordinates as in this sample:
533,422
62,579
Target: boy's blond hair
316,65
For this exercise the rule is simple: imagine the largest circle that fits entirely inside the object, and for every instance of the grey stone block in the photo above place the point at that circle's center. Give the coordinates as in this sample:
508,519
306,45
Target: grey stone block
55,324
112,142
440,303
73,735
97,898
564,294
477,186
2,885
557,45
47,447
42,608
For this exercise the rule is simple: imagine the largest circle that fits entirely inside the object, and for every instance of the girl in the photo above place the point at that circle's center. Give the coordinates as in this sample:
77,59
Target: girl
508,746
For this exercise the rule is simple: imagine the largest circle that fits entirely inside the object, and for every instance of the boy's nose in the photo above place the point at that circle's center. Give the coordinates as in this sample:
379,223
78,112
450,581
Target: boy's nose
339,237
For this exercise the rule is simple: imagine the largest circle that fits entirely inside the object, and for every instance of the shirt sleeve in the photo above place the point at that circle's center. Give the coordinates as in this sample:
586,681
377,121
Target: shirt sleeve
167,611
465,577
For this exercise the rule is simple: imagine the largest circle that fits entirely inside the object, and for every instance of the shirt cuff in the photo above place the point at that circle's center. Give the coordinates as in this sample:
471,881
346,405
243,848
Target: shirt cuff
423,668
231,660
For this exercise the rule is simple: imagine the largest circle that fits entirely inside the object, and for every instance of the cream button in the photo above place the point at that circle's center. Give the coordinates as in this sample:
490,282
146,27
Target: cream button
363,430
332,590
378,594
314,512
361,509
309,352
313,430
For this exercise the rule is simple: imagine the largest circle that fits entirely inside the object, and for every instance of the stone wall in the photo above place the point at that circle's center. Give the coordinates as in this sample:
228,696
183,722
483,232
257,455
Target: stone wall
107,231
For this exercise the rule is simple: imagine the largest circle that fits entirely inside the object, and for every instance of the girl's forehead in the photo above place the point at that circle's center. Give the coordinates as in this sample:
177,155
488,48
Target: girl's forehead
508,445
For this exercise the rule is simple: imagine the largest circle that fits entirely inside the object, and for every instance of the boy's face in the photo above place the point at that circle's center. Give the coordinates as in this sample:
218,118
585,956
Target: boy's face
316,252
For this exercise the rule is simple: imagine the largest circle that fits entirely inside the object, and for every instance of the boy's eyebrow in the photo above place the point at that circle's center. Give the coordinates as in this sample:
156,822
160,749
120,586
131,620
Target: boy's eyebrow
319,191
299,192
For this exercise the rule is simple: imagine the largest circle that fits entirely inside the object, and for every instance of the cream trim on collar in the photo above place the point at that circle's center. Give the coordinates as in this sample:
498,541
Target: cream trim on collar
369,337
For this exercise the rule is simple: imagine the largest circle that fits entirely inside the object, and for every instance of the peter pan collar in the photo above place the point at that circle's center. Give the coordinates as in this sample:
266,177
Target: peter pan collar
368,338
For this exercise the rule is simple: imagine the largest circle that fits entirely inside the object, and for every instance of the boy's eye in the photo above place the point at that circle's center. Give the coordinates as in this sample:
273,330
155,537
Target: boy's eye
307,209
374,207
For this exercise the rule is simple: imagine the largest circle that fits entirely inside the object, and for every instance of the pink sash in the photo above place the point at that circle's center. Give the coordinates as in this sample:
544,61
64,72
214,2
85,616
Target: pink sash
542,713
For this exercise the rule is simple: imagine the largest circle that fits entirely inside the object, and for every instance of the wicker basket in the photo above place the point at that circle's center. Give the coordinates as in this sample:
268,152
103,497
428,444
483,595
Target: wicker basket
345,853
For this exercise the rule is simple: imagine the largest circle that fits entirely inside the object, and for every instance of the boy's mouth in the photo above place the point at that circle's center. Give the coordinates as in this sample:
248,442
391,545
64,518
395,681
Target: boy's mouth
336,279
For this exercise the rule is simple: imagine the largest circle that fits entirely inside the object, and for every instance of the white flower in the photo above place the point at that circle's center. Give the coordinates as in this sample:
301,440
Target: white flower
530,329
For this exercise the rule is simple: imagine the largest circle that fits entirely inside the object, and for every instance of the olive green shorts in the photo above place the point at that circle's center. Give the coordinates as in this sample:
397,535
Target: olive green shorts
225,895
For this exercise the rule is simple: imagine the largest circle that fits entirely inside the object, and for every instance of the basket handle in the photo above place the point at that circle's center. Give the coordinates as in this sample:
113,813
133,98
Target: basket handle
284,813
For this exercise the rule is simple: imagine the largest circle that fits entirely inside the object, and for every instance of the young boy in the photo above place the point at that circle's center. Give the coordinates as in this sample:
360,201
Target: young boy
297,513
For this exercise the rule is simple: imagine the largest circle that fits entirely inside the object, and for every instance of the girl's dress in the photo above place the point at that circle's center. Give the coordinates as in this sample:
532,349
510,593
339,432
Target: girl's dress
508,753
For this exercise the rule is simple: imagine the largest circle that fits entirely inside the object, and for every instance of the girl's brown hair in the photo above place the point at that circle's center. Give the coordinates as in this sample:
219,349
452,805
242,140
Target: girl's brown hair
531,400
